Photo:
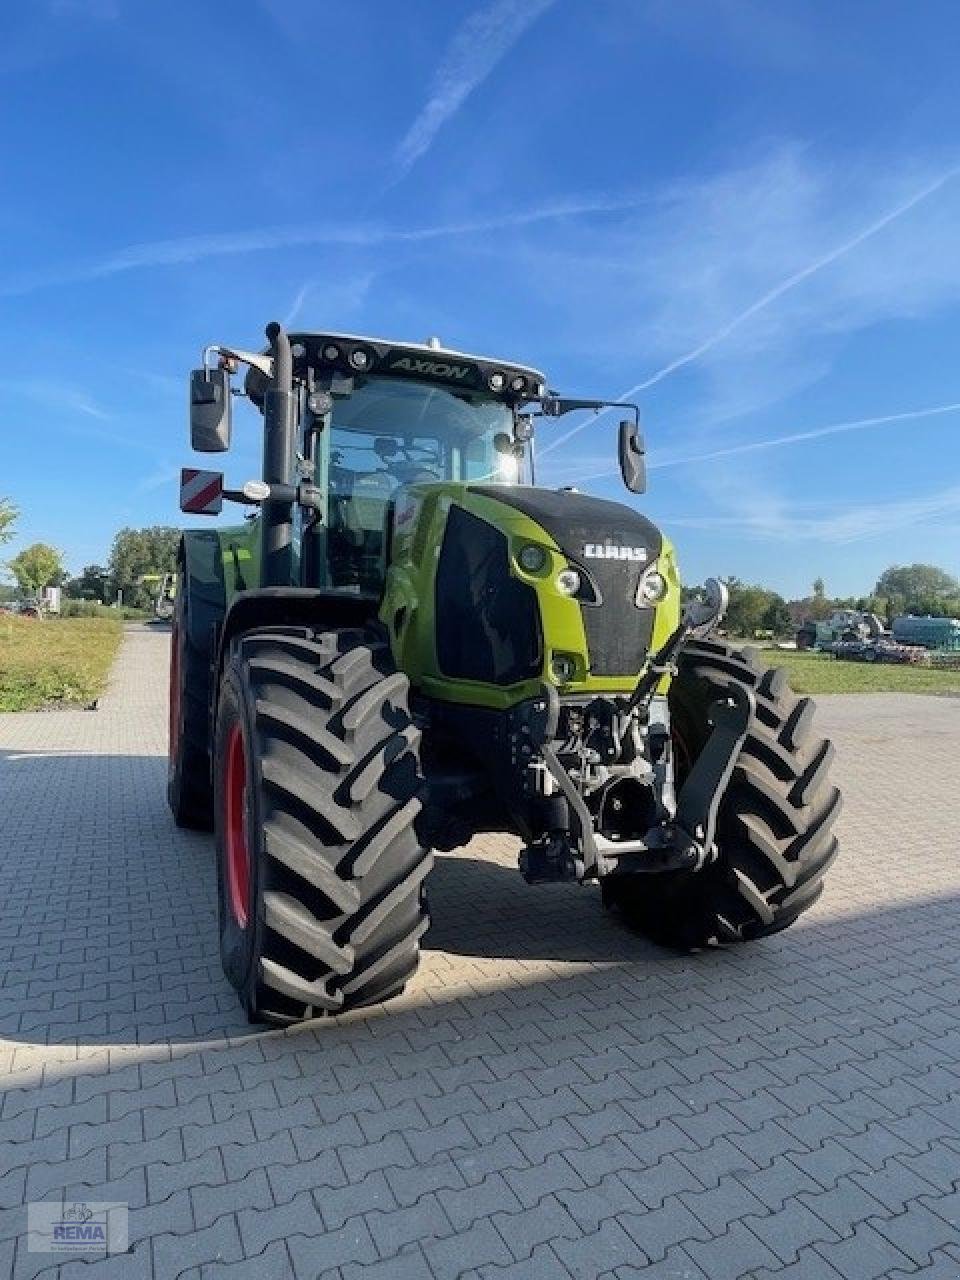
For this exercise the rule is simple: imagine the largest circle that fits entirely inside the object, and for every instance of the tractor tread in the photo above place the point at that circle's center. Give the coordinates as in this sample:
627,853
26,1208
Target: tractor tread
291,919
289,673
387,961
385,835
381,909
369,771
299,786
774,829
369,703
302,858
315,994
311,740
338,782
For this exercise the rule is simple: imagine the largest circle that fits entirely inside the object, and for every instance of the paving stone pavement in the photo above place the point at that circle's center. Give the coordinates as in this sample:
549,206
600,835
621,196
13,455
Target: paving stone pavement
552,1096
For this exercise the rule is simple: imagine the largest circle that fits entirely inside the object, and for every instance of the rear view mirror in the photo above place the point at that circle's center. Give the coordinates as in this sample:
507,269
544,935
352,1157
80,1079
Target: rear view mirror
210,410
633,466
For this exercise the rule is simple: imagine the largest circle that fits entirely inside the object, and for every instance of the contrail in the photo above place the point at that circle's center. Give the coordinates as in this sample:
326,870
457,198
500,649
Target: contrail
795,437
484,39
187,249
771,296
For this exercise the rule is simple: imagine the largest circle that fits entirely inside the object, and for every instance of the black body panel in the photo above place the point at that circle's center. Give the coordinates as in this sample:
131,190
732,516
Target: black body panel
618,632
488,622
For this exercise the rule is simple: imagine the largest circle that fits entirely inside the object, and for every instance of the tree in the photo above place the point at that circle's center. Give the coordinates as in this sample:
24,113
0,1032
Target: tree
8,514
37,567
92,583
748,605
777,616
919,588
140,552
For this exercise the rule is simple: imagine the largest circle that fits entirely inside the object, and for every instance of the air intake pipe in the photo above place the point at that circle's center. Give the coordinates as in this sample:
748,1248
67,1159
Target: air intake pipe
279,440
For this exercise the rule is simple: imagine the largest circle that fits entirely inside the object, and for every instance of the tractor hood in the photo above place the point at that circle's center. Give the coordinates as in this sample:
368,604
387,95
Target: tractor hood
588,530
614,546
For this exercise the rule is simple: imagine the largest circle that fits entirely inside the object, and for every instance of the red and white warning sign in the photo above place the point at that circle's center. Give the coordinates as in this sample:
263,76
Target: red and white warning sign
201,492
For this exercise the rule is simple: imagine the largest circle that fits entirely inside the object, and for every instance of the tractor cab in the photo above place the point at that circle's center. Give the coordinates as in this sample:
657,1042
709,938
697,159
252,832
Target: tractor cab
351,424
386,434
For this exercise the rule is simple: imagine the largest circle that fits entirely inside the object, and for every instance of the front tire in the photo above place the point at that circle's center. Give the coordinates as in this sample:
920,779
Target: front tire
774,825
317,786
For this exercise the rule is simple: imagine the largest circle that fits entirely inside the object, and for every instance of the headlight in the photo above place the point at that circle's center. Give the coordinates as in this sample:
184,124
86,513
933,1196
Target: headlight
568,582
532,558
563,668
359,358
496,382
653,588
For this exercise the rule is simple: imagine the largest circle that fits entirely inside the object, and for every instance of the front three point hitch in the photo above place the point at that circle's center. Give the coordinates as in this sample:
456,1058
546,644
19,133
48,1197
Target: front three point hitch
684,841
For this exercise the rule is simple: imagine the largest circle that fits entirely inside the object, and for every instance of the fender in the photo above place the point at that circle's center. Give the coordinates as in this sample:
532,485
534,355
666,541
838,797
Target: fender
289,607
200,561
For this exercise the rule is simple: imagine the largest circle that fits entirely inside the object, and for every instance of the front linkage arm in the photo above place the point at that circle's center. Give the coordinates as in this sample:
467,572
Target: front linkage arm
685,841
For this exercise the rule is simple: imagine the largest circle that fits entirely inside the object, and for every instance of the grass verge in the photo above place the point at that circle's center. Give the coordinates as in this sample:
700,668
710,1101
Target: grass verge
821,673
55,663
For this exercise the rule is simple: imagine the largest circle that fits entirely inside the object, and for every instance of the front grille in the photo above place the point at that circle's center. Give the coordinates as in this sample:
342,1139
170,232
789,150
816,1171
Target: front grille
618,633
488,622
619,641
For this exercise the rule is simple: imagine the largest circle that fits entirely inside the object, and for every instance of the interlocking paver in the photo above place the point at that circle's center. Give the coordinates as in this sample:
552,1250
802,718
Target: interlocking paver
396,1228
603,1250
551,1097
791,1230
220,1241
864,1255
273,1264
478,1246
212,1202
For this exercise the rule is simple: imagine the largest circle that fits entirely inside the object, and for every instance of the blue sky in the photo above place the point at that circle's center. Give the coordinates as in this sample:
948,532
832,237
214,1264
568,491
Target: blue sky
743,214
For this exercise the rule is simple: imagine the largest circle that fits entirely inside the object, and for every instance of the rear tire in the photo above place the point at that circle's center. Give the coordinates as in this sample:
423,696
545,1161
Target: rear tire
773,837
189,788
333,901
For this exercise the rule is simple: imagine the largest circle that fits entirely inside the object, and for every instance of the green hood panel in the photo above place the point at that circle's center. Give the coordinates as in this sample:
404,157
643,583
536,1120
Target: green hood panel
557,522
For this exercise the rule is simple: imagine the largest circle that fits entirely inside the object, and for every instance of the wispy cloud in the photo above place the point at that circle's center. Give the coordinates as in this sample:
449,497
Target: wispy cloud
338,298
776,442
791,282
189,249
747,242
849,523
55,395
484,39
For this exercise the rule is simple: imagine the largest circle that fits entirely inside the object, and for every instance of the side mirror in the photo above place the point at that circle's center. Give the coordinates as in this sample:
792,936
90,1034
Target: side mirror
633,465
210,410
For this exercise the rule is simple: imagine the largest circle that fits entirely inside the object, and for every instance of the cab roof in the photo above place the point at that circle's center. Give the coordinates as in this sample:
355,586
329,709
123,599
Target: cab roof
349,353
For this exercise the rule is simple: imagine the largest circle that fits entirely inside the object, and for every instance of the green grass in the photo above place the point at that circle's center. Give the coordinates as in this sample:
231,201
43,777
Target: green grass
55,663
821,673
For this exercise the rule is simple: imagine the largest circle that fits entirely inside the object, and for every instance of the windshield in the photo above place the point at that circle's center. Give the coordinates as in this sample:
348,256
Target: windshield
390,433
411,432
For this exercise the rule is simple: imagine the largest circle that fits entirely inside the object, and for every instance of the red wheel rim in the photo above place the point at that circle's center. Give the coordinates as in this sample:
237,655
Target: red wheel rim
174,737
235,828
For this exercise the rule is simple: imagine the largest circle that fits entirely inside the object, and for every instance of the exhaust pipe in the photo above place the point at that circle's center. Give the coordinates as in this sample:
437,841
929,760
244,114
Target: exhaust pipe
279,441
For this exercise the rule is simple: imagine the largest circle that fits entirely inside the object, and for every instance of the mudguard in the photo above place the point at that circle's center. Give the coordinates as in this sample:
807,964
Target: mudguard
201,579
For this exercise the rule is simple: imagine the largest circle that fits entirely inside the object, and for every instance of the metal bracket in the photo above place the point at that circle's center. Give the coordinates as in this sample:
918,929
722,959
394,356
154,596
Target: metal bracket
704,787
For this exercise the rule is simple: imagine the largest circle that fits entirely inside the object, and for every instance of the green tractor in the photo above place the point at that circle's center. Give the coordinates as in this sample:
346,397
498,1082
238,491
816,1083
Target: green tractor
406,642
